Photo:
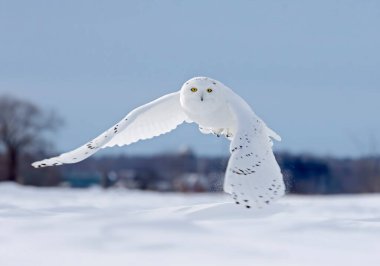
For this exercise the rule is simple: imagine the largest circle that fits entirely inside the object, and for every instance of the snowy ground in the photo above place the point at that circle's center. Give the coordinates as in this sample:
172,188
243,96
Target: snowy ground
54,227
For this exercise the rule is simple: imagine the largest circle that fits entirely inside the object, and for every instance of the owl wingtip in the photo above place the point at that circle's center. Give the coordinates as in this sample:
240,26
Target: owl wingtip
273,134
38,164
45,163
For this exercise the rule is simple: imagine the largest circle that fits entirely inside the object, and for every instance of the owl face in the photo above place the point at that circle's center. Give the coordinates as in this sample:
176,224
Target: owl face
201,94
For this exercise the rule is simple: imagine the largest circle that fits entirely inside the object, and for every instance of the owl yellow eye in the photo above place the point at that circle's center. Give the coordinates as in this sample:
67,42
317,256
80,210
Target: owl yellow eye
194,89
209,90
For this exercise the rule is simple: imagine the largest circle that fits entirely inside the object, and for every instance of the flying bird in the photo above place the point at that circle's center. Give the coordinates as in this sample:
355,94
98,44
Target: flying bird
253,176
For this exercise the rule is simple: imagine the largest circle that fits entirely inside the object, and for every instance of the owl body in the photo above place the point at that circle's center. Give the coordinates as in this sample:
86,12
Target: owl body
253,177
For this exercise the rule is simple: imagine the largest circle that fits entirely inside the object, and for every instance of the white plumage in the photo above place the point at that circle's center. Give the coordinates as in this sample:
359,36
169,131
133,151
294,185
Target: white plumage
253,176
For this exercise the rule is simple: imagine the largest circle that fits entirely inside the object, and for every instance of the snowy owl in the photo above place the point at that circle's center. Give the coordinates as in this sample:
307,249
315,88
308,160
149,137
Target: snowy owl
253,177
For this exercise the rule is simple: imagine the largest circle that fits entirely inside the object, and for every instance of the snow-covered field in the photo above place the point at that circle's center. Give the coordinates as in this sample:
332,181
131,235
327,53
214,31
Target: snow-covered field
40,227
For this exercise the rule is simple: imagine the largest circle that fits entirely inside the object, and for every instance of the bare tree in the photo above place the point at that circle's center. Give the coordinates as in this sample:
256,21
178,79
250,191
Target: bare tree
22,129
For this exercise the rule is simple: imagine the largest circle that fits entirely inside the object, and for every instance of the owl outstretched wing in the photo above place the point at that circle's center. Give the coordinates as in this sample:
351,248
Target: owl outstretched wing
253,176
147,121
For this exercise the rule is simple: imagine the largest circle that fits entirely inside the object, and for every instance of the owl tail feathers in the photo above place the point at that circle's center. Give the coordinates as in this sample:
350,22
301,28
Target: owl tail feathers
273,134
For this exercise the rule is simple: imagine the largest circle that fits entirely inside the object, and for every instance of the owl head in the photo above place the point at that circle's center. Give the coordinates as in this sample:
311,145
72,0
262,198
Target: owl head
202,94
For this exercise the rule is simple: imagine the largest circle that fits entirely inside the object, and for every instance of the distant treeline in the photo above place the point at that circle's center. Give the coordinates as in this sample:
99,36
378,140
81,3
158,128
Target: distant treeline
304,174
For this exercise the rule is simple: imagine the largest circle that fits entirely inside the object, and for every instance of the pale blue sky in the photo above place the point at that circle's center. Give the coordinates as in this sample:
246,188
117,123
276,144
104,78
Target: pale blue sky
310,69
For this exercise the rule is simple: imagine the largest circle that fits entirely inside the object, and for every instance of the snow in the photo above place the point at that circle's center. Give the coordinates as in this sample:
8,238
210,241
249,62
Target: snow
62,226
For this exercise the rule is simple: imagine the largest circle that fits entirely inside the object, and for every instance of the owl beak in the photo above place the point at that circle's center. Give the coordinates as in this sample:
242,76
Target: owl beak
202,98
